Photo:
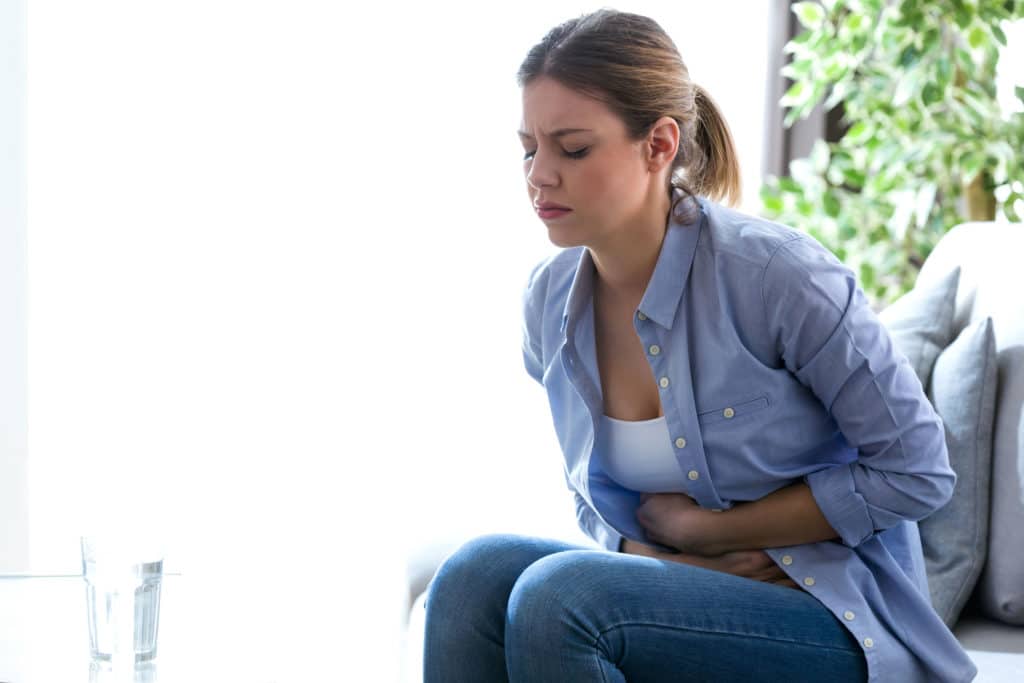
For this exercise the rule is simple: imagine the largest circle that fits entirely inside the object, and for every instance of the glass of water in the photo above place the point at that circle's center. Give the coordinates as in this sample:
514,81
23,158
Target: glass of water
122,591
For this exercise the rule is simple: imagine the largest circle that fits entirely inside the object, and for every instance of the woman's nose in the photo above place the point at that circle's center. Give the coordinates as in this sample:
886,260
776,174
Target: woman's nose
541,174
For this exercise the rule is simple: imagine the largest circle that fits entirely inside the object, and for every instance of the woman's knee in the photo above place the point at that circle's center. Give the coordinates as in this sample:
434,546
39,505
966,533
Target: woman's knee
483,567
577,584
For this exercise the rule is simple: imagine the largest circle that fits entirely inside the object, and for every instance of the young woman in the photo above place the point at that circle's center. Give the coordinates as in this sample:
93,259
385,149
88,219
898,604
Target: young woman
741,436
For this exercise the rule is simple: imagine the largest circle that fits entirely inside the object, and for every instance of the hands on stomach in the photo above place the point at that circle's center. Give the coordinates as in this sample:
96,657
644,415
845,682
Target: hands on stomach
750,564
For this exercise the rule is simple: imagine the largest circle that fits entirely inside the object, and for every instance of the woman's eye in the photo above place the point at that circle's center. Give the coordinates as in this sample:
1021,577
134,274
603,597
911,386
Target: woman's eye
578,154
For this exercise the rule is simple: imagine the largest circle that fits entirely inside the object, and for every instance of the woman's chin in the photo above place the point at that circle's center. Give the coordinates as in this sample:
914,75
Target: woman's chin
560,236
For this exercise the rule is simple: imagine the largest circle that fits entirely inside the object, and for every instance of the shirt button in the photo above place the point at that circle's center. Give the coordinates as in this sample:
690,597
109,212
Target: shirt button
728,412
868,642
680,442
663,382
848,615
809,581
641,315
787,560
693,475
655,349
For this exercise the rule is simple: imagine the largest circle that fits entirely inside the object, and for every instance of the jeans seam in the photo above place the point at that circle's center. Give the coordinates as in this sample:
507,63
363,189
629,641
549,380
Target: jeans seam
597,656
601,633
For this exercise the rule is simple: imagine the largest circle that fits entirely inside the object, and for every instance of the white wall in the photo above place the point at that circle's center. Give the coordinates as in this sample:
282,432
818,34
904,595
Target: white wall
275,311
13,420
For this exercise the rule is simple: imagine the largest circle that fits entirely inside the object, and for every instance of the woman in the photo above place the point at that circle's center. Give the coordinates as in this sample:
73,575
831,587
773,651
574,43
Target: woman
740,434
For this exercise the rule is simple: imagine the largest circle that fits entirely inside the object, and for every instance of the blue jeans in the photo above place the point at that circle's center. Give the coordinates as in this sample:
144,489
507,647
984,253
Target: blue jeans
505,607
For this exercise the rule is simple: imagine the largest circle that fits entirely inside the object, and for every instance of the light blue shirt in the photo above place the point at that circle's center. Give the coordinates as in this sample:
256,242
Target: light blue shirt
772,368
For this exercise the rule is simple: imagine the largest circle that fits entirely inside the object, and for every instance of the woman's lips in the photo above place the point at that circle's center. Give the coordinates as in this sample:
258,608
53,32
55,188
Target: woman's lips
552,213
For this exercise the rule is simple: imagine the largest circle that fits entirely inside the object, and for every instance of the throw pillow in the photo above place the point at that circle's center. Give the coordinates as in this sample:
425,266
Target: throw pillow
955,538
921,322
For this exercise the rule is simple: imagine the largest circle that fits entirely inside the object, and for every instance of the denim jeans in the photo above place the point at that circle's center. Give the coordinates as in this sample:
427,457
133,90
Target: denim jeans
505,607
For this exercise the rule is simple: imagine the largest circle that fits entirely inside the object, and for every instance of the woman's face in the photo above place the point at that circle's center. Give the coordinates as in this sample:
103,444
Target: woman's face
578,155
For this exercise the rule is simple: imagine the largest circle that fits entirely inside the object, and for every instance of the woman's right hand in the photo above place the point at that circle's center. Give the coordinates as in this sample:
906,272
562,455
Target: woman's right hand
750,564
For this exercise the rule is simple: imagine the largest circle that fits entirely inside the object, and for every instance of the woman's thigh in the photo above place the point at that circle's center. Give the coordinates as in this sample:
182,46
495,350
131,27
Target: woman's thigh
599,616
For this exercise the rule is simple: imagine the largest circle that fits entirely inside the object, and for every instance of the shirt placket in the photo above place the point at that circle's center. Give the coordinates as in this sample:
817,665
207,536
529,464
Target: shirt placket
676,394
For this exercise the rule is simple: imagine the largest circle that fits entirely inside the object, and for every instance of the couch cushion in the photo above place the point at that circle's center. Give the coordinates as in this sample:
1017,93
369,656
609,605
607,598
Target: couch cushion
991,280
955,538
921,322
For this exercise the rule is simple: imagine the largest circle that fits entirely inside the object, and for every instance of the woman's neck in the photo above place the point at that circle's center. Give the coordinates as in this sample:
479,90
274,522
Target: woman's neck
624,265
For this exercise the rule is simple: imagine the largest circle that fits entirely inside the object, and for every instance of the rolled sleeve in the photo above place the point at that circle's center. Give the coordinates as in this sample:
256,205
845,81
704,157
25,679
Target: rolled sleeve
831,340
845,509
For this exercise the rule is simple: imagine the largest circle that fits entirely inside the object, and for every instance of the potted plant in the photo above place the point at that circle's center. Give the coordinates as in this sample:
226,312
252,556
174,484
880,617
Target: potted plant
926,145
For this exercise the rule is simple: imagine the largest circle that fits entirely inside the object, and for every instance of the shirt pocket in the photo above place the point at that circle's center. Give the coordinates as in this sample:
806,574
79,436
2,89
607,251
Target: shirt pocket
731,412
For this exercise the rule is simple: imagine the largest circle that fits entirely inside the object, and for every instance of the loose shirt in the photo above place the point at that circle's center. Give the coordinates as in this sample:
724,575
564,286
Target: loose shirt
772,368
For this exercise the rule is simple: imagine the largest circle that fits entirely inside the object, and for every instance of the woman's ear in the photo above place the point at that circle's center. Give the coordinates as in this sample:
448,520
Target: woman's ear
662,144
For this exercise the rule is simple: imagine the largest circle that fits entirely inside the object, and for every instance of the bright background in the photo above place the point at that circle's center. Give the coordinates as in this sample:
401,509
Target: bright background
276,252
272,289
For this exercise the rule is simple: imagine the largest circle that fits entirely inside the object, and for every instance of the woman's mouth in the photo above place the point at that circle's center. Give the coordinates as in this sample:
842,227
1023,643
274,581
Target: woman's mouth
552,213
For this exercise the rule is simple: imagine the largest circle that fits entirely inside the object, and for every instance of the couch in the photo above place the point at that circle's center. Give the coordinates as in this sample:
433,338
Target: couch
991,623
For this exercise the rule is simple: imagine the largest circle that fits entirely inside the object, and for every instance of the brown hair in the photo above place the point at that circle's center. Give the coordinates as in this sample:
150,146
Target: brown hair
629,63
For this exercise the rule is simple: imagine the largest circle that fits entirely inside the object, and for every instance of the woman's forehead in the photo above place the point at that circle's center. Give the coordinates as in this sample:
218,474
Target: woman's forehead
550,109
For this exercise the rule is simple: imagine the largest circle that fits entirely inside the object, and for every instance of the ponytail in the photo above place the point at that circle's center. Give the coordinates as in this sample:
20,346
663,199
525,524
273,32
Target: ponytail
708,165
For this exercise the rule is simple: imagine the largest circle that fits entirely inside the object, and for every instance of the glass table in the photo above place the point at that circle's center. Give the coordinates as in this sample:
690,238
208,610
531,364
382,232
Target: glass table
44,637
313,614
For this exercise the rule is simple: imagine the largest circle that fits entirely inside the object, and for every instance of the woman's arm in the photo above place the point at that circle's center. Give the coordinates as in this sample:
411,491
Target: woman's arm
788,516
832,342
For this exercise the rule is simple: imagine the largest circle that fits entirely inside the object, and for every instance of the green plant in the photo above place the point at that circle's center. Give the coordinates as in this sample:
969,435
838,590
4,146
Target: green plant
926,145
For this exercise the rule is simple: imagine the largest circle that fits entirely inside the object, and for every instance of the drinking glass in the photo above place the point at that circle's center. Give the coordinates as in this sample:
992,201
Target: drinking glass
122,589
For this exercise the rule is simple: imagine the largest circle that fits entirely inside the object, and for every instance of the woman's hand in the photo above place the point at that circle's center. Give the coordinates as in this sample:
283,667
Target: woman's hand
750,564
675,520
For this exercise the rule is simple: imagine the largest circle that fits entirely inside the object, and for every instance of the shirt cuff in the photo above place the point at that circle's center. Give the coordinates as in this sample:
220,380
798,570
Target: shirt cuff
844,508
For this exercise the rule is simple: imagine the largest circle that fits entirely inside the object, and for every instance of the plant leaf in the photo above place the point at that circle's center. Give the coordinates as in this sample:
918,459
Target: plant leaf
819,156
771,202
976,37
998,33
924,202
810,14
793,96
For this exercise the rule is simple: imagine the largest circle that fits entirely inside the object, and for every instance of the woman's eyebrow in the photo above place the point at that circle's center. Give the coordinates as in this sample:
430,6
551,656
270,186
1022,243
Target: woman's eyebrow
556,134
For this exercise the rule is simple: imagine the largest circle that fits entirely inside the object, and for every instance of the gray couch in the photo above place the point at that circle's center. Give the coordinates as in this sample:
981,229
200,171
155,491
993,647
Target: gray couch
991,624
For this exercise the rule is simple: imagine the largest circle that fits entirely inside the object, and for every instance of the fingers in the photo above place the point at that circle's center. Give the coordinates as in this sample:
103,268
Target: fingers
751,564
770,574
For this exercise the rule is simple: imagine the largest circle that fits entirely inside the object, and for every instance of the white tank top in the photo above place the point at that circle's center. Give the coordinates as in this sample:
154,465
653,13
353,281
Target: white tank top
639,455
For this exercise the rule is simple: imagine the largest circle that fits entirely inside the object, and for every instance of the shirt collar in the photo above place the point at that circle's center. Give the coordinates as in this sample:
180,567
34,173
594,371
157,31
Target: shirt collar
581,289
672,271
665,288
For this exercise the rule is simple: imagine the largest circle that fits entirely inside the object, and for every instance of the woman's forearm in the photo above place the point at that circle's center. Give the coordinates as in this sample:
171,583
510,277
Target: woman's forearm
788,516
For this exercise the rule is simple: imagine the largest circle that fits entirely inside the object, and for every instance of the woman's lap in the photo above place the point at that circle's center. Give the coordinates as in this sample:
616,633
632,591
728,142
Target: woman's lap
509,607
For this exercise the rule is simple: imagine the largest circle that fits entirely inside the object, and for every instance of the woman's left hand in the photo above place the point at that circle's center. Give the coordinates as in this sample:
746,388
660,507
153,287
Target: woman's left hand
675,520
